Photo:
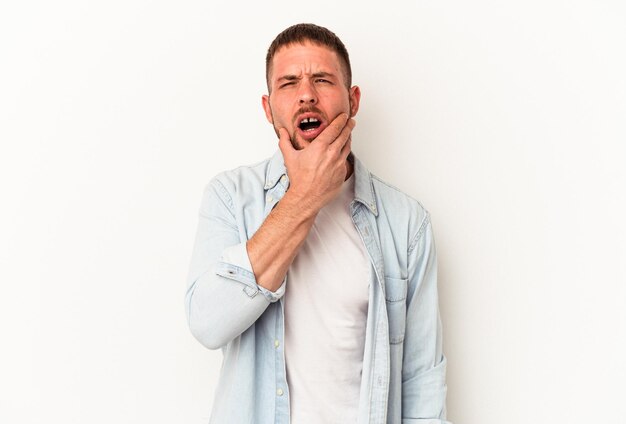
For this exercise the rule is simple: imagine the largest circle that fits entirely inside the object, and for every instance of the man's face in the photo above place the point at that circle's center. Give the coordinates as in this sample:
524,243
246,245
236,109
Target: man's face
308,91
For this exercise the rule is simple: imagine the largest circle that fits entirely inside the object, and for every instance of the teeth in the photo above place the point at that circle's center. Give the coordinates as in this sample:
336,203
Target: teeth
309,120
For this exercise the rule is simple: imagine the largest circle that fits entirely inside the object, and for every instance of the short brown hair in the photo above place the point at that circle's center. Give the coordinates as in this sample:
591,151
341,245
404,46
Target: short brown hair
315,34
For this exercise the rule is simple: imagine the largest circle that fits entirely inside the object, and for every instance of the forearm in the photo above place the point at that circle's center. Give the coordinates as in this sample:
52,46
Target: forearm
274,246
222,298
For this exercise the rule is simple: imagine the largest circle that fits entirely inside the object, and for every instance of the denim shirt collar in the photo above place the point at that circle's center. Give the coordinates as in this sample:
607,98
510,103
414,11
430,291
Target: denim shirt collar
363,186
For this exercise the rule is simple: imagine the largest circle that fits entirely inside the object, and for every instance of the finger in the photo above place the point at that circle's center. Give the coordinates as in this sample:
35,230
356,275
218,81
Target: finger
284,143
342,139
347,148
332,131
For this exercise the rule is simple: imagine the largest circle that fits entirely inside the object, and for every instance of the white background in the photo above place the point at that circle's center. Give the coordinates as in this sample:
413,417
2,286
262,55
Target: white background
505,119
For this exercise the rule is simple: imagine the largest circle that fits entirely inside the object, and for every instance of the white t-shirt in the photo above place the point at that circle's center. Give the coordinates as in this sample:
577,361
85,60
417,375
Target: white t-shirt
326,299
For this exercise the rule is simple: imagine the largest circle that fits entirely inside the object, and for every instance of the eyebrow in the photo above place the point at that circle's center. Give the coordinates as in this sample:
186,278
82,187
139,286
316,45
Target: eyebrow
288,78
323,75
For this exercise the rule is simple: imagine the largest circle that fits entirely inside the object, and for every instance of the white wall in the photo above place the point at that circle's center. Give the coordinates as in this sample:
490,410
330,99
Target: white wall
506,119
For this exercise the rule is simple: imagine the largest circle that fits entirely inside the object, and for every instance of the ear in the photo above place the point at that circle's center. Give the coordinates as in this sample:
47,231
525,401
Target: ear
265,100
355,98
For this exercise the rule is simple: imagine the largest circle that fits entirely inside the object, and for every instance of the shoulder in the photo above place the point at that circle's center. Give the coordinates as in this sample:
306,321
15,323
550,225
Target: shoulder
240,178
393,203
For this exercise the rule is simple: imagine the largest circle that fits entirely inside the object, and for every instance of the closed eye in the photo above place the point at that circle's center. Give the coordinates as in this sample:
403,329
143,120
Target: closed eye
286,84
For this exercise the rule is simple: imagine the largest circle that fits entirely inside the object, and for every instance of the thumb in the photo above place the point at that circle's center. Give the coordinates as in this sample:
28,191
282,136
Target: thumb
284,143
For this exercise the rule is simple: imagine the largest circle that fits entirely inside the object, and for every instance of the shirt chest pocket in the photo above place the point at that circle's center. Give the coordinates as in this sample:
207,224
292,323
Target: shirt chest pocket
395,300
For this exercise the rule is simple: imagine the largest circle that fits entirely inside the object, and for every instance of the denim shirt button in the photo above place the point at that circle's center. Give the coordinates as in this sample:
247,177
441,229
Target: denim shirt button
279,392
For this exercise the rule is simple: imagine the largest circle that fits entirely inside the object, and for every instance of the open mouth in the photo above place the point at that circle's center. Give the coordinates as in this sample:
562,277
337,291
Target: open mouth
309,124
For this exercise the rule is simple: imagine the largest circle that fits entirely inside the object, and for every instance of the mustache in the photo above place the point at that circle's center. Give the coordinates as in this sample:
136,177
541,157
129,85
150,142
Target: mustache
311,109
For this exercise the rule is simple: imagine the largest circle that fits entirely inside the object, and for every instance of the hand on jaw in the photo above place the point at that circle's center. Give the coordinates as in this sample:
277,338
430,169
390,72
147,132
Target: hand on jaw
317,171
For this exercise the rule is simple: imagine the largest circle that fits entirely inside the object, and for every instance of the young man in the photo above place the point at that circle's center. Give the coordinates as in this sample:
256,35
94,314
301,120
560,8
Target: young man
316,279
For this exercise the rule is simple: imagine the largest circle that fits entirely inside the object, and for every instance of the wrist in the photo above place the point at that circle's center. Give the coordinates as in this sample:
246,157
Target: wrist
300,205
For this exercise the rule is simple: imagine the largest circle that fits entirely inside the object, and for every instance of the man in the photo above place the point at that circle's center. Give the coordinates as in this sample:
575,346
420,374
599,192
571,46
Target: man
315,278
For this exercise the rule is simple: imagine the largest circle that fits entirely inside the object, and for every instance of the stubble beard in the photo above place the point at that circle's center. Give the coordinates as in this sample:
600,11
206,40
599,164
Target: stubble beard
295,139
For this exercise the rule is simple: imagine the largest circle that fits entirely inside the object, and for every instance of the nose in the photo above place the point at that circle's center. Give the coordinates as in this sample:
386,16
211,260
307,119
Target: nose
307,94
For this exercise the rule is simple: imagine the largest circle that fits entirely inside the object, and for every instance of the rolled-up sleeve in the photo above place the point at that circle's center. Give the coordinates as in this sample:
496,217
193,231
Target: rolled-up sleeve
223,298
424,364
235,264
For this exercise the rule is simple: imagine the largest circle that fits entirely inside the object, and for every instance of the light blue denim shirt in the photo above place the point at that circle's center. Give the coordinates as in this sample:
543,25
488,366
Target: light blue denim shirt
404,368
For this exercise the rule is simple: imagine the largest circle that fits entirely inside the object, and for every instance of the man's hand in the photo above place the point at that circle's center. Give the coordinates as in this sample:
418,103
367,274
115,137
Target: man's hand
315,177
317,171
